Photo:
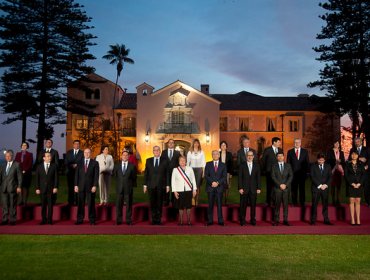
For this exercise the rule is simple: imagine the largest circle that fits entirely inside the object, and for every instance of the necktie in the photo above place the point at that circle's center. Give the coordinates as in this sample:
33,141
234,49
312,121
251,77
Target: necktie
281,168
47,168
359,150
124,168
170,154
7,169
250,168
297,153
75,153
216,167
86,165
321,168
156,163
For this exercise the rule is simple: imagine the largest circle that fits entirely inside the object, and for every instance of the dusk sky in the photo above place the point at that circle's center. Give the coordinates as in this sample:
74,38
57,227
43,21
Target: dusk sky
264,47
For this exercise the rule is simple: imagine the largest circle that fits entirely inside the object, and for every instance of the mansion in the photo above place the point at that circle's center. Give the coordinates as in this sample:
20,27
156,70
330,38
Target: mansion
151,117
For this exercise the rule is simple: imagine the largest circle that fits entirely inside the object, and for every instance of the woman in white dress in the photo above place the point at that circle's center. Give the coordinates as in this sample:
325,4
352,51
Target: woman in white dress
106,165
197,161
184,189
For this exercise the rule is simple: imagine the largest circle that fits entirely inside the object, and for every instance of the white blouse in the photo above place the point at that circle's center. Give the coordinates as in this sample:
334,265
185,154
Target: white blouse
178,182
106,163
196,159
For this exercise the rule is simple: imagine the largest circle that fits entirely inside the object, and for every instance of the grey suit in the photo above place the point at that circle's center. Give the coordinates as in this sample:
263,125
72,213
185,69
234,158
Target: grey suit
281,196
9,183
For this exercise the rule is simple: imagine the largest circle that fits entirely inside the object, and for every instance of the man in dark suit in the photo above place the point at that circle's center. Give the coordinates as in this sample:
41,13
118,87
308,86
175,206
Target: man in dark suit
215,173
242,152
125,173
282,176
10,182
300,162
249,186
268,160
156,182
47,187
73,158
86,180
364,155
321,178
48,148
172,157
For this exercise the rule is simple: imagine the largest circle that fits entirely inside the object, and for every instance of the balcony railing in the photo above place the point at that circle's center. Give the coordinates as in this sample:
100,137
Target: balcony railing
128,132
178,128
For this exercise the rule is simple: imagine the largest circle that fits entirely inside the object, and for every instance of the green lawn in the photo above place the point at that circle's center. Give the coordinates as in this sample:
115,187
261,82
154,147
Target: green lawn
140,197
185,257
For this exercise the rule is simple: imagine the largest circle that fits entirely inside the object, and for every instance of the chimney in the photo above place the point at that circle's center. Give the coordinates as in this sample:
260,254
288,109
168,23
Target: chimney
204,89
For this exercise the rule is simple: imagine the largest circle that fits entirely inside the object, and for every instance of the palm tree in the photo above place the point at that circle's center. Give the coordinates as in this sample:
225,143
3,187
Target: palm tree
118,54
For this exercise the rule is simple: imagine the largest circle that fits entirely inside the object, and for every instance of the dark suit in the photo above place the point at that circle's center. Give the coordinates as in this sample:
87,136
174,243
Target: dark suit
242,157
156,179
54,156
300,168
9,183
250,183
212,176
125,182
172,163
69,161
46,182
268,160
366,154
281,196
319,177
85,180
229,162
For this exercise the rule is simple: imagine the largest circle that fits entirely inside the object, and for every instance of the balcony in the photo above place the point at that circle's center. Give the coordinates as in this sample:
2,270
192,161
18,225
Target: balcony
178,128
128,132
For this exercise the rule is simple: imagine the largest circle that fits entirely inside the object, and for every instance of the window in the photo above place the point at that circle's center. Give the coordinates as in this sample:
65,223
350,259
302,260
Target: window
82,124
88,94
129,122
106,124
293,126
97,94
223,124
271,124
178,117
145,92
244,124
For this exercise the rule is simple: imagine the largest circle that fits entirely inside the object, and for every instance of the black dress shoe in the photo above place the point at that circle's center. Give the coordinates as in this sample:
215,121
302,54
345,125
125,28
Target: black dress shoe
328,223
3,223
221,224
12,223
253,223
118,223
50,222
129,223
209,224
92,223
286,223
78,223
312,223
243,224
43,223
275,224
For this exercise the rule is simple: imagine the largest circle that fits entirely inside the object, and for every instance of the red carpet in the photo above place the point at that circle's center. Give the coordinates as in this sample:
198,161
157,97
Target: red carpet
29,218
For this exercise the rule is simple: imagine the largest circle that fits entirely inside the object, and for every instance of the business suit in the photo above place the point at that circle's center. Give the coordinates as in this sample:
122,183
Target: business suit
268,160
357,175
320,177
9,183
25,160
300,167
281,196
45,183
85,180
366,154
69,161
54,156
125,182
173,162
241,155
156,178
219,176
250,183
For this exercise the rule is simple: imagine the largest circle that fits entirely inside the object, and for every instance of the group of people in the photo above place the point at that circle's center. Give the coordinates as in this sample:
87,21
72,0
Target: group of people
171,177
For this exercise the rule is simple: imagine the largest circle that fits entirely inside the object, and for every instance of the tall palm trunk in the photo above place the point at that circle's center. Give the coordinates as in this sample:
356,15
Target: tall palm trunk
114,120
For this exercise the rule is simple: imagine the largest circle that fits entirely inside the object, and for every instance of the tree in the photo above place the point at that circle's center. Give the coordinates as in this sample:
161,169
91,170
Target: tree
346,54
118,54
54,34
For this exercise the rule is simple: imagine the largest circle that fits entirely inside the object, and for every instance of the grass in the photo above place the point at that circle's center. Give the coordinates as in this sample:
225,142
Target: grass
185,257
139,196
